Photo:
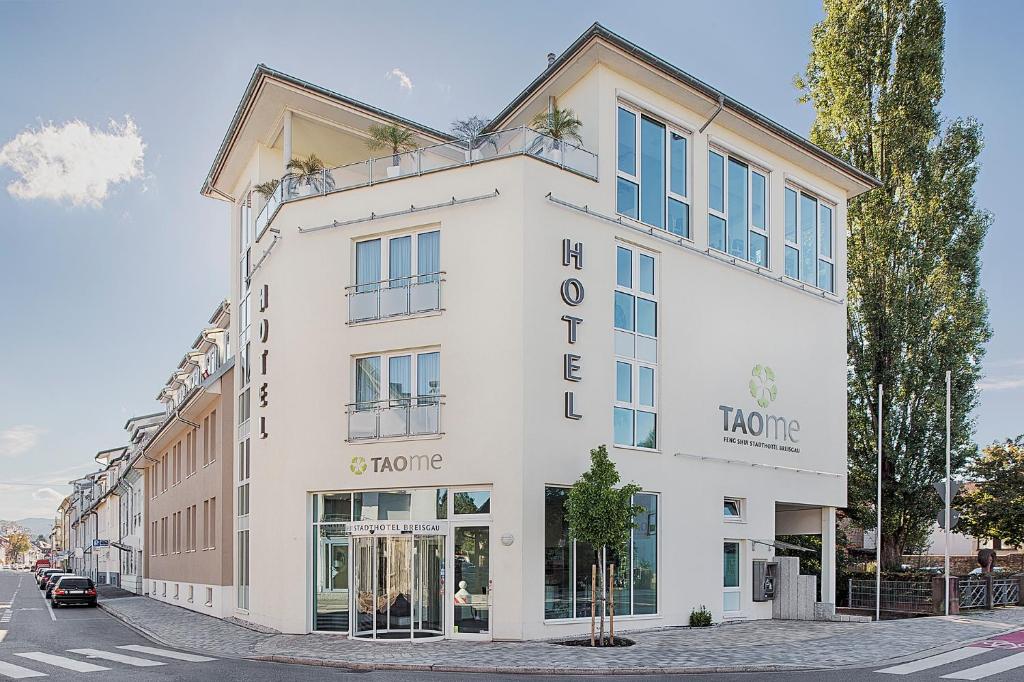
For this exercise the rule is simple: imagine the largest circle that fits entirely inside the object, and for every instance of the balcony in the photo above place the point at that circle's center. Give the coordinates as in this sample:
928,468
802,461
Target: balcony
497,145
402,418
391,298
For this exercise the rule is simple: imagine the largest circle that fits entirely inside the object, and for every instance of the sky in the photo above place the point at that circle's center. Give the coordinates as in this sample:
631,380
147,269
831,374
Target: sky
111,113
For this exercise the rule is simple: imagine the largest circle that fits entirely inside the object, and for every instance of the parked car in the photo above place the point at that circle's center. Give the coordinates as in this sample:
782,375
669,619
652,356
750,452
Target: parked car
73,589
46,576
39,574
52,583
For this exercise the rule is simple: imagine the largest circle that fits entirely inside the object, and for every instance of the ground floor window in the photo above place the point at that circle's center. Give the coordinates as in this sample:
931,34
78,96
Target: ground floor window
567,563
243,569
731,576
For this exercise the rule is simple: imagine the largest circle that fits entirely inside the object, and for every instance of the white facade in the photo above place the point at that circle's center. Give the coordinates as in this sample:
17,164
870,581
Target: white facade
520,340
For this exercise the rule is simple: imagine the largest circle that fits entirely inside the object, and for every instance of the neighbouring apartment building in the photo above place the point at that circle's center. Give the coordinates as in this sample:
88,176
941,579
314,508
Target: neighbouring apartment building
187,465
429,344
132,502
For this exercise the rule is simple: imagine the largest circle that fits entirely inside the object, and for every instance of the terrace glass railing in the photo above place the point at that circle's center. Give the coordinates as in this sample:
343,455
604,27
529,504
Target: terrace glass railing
497,145
399,297
395,418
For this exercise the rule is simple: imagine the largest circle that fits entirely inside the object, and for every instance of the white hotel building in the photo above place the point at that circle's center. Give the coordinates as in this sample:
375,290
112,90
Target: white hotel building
430,343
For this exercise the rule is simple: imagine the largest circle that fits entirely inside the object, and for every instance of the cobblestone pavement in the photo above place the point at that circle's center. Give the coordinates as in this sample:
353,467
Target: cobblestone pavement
756,645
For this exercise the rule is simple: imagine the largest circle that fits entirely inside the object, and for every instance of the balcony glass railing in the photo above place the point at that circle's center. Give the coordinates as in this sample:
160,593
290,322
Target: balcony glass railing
394,297
522,140
399,418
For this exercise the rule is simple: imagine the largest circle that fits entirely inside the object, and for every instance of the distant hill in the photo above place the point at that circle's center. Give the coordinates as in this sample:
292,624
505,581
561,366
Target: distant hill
36,526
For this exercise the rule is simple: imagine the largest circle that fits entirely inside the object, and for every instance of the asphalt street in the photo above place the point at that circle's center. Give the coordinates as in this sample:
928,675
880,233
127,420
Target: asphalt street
81,642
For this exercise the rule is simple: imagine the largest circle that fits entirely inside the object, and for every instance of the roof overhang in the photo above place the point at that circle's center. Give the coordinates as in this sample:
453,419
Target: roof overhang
257,120
599,45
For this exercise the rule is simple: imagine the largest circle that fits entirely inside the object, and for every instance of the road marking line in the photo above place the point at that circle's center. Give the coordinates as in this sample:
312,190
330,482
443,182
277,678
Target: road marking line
62,662
166,653
46,602
932,661
117,658
16,672
1000,665
3,633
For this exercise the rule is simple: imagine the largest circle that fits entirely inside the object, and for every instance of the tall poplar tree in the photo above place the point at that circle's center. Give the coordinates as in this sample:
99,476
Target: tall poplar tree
915,307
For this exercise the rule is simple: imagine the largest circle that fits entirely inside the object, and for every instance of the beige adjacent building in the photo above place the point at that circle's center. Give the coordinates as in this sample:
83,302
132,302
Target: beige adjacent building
187,464
430,342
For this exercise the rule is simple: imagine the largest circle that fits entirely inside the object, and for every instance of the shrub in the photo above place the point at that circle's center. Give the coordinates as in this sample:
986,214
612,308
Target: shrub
700,618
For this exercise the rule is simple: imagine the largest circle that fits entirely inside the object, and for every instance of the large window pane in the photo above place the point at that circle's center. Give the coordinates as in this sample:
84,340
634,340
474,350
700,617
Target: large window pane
623,311
646,380
808,238
759,249
627,141
645,555
428,256
623,382
678,159
399,260
716,182
646,317
731,566
473,502
825,275
626,198
623,426
716,233
646,430
737,230
791,216
792,263
624,267
652,172
646,274
367,381
428,374
825,229
400,377
586,557
678,218
757,200
367,265
558,584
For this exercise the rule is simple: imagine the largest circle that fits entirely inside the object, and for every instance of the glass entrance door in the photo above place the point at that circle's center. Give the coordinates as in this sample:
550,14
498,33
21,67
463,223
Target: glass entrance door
471,601
397,586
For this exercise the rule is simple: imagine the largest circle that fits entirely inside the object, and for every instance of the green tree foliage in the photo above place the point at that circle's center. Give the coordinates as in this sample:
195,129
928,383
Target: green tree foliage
915,305
17,545
601,514
994,508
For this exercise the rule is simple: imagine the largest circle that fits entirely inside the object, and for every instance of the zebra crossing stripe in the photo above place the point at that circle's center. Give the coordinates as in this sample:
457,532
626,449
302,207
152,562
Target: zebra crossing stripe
932,661
16,672
1000,665
117,658
166,653
62,662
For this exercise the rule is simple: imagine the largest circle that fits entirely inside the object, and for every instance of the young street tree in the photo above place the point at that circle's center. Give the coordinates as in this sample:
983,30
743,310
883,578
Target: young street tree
915,306
994,508
17,545
601,515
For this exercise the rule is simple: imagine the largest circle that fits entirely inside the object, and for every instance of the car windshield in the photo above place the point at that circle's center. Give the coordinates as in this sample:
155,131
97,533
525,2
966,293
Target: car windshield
74,583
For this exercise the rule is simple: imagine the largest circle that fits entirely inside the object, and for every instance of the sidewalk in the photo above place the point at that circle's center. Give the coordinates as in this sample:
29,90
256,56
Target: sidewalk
742,647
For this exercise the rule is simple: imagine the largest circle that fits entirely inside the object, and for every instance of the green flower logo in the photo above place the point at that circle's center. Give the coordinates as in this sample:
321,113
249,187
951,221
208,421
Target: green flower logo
762,385
358,466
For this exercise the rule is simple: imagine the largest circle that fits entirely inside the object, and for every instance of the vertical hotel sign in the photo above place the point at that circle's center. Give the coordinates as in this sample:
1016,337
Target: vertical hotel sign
264,394
572,295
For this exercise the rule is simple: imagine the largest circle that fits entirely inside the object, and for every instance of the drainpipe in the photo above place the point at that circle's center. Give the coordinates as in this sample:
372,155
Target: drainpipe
717,111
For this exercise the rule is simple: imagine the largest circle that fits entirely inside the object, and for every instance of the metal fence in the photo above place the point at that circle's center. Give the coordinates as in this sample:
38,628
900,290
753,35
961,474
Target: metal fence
903,596
973,593
1005,591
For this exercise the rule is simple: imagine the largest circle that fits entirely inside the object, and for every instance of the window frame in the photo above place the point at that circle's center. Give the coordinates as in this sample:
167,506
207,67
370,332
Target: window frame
753,167
383,384
819,201
636,364
639,113
740,510
386,281
738,588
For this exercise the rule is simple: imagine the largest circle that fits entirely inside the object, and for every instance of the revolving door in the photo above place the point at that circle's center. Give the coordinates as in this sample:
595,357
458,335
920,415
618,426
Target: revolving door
398,586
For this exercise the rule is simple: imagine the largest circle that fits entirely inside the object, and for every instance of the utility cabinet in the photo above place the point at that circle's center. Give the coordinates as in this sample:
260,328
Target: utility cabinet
764,574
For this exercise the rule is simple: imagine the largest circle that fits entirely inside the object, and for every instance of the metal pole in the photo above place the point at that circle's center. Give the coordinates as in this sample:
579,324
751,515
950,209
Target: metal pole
878,509
948,501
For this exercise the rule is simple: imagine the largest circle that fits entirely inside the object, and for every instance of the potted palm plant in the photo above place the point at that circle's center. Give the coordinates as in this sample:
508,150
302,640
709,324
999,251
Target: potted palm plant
267,189
558,124
394,138
308,176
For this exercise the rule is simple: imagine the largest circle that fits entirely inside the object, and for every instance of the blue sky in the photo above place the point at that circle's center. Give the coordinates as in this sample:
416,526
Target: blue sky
104,288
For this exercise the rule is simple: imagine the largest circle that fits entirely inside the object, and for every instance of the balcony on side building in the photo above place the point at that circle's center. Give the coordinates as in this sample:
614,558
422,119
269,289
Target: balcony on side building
394,418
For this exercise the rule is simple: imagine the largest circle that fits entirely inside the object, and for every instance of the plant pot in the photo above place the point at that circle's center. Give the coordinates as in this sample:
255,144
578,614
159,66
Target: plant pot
394,171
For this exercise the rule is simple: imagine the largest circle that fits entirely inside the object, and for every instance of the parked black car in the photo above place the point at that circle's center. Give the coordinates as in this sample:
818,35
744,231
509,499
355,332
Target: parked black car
46,576
74,589
52,583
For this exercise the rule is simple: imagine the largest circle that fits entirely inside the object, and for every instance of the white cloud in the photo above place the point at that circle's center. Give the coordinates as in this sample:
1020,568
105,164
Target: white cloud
73,162
404,81
47,495
16,440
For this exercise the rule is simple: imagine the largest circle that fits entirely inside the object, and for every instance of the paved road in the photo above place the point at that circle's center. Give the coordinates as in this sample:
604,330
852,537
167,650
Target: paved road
78,643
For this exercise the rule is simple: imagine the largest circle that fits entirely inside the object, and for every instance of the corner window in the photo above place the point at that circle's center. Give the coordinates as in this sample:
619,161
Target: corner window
636,349
737,208
810,234
652,178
